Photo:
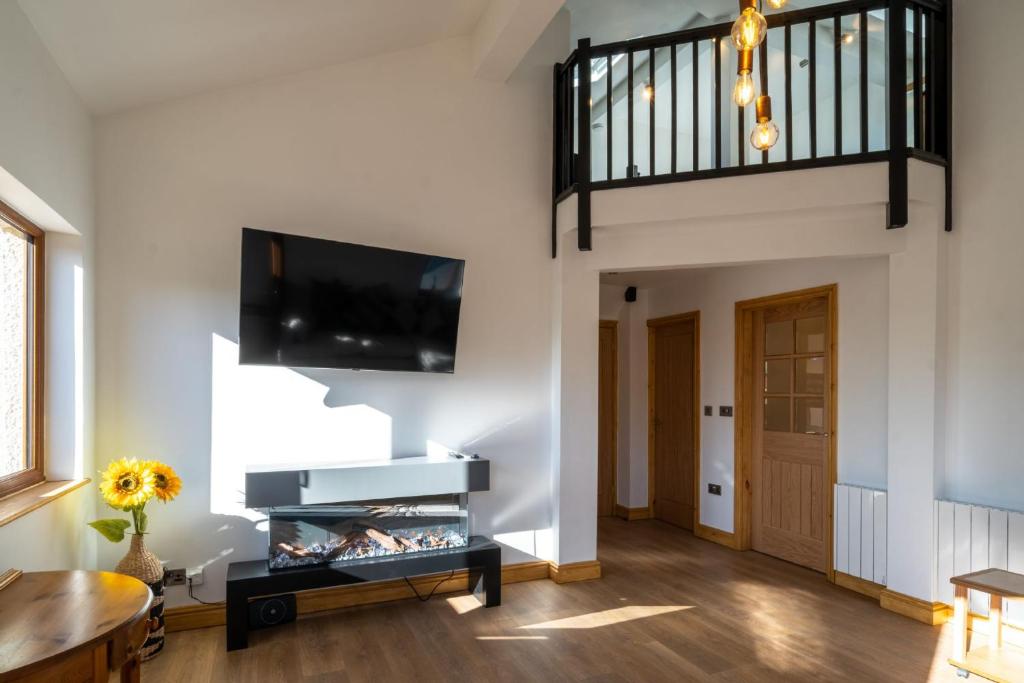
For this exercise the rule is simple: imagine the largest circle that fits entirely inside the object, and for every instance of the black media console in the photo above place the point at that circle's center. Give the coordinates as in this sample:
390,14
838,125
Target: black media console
253,579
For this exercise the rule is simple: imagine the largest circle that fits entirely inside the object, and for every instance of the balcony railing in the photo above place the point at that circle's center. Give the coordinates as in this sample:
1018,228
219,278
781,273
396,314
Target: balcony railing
660,109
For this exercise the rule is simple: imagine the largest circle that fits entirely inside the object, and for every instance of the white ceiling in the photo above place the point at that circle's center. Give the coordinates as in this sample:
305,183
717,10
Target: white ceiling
608,21
119,54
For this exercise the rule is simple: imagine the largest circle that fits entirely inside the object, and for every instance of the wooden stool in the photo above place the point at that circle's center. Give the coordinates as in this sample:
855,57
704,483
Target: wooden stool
995,662
72,626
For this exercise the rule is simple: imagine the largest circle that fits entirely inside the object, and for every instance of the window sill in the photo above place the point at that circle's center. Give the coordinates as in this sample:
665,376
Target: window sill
23,502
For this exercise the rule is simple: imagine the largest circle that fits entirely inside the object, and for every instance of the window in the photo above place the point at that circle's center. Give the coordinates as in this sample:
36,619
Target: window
21,363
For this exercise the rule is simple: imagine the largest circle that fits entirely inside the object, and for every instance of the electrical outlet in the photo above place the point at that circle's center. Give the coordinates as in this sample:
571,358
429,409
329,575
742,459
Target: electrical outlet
715,489
195,575
725,411
174,577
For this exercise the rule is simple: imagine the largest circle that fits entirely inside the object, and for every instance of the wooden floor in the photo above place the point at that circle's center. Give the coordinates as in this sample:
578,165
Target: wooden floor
670,607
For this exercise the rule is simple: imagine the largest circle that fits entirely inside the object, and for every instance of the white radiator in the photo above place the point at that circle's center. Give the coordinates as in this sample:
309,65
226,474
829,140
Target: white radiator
969,538
860,524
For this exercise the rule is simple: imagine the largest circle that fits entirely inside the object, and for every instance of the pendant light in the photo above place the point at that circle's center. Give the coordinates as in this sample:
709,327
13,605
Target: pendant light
750,28
744,91
765,133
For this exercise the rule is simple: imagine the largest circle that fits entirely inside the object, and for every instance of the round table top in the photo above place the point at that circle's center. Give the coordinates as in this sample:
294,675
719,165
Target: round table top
45,615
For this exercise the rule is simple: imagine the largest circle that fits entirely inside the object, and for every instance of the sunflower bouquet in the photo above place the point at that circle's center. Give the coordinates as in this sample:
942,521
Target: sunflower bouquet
128,485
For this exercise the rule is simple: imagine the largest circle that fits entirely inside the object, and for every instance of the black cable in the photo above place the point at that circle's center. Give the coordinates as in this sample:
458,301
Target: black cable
202,602
432,590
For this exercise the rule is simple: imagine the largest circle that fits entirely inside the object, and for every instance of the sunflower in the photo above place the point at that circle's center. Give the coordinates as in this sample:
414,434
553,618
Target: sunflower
127,484
166,480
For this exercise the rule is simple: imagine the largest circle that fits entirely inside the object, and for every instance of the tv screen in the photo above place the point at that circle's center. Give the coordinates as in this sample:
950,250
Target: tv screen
309,302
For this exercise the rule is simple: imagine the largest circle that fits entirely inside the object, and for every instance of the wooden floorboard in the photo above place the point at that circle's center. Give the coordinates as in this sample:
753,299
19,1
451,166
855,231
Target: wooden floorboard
669,607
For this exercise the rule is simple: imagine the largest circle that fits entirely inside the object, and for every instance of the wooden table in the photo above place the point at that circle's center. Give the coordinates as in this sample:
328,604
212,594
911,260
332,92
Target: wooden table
995,662
72,626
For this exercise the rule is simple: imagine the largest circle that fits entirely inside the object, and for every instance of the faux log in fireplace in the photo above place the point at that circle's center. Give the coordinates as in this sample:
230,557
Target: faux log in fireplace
366,521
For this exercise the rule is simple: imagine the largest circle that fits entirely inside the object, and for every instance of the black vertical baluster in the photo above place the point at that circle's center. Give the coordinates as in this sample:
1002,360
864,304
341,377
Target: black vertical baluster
741,149
555,157
674,134
930,105
812,86
947,119
917,79
629,115
789,95
763,58
718,101
583,171
650,105
696,107
898,209
608,114
837,31
863,81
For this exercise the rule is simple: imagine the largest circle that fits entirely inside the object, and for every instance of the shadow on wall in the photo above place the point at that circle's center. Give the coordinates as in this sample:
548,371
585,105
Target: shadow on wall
263,415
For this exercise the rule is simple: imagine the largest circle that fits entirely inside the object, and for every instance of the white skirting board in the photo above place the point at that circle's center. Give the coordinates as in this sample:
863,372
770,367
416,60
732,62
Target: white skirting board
860,526
969,538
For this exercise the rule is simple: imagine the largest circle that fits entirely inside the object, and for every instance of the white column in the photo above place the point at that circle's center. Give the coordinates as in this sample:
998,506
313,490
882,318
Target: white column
916,305
574,407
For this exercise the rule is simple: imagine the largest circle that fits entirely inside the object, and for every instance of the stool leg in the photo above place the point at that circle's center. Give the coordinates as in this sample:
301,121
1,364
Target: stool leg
995,621
960,624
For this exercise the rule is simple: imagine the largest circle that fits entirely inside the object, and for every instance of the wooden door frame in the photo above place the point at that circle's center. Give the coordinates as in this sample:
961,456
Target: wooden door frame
652,326
614,325
744,428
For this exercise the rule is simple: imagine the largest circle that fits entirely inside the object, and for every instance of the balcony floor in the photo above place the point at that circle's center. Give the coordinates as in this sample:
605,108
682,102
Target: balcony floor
670,607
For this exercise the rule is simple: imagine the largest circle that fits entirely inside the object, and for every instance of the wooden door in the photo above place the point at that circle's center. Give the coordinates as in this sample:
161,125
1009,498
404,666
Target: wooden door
673,347
791,426
607,416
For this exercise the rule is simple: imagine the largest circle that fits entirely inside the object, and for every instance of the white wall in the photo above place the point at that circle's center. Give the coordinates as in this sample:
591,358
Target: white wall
406,151
862,356
985,331
46,167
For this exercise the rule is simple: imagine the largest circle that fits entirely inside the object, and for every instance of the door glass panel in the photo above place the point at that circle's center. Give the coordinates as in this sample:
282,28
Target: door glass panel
810,416
810,375
776,414
778,338
776,376
810,335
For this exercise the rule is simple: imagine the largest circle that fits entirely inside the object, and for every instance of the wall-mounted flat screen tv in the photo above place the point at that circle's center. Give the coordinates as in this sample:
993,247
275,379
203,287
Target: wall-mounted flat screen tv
309,302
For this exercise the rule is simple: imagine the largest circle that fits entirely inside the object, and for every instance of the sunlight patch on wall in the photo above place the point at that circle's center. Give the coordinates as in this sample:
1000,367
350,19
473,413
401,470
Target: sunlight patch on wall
536,542
273,415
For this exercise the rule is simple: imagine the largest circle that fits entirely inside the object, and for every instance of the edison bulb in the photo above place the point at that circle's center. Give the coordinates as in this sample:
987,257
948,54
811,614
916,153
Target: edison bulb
743,92
648,92
776,4
749,30
765,135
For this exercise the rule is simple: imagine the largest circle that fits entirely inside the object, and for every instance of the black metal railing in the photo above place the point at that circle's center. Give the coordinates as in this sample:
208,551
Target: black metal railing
659,108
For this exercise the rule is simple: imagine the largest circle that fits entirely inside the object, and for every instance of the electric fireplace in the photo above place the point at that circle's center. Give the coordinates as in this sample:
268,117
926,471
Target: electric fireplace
316,534
358,511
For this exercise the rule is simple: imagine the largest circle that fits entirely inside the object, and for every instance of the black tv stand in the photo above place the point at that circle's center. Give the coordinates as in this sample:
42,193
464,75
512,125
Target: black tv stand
252,579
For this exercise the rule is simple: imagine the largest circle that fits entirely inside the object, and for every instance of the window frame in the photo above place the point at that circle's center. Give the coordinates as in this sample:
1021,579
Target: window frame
35,474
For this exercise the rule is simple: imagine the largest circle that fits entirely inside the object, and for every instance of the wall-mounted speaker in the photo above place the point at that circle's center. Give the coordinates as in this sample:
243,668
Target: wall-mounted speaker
630,294
266,612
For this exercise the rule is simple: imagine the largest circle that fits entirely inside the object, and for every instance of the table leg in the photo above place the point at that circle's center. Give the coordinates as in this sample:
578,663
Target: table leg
237,627
995,621
960,624
131,670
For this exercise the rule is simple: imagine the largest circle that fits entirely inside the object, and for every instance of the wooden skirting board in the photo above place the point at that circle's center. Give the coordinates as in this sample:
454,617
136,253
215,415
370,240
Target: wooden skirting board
931,613
307,602
710,533
574,571
858,585
631,514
